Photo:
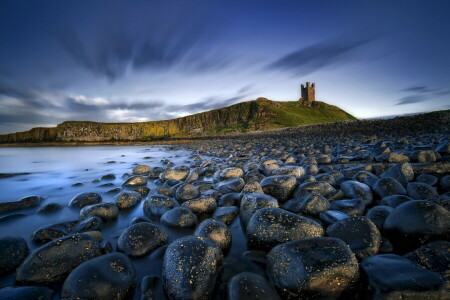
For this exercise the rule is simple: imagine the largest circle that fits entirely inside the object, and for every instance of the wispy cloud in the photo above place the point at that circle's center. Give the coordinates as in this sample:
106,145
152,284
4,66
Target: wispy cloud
322,55
420,93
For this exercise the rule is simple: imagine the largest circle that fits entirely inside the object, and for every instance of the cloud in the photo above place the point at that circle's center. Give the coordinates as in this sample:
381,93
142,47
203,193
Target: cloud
420,93
321,55
95,101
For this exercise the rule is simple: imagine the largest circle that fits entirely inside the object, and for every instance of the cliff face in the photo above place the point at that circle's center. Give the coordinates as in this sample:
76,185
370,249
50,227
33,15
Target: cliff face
251,115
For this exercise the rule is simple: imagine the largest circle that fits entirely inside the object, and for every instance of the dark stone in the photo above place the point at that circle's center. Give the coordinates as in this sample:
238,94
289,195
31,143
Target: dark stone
141,170
352,207
13,250
316,187
106,211
23,203
415,223
230,185
26,293
56,231
329,217
110,276
317,268
279,186
250,203
186,192
272,226
126,200
179,217
143,190
427,178
141,239
354,189
231,173
84,199
421,191
434,256
295,171
395,200
51,207
216,231
250,286
140,219
359,233
402,172
191,266
156,205
230,199
135,181
312,204
384,187
53,261
174,174
108,177
202,205
226,214
378,215
391,276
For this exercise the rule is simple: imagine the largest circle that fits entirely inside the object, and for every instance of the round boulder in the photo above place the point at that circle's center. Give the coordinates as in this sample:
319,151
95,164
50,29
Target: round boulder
415,223
215,230
279,186
141,238
135,181
359,233
251,286
156,205
84,199
272,226
13,250
110,276
179,217
106,211
203,205
186,192
126,200
250,203
317,268
190,268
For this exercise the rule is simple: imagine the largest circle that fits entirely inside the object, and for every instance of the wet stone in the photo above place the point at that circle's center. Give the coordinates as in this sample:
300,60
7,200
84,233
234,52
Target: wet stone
226,214
251,203
421,191
312,204
329,217
230,185
384,187
141,170
106,211
156,205
203,205
354,189
378,215
13,250
48,208
23,203
359,233
272,226
279,186
126,200
85,199
186,192
135,181
44,265
191,266
110,276
318,187
294,268
251,286
180,217
216,231
391,276
26,293
141,239
352,207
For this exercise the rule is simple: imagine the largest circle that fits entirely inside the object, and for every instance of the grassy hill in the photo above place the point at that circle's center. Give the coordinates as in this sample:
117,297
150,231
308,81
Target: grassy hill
259,114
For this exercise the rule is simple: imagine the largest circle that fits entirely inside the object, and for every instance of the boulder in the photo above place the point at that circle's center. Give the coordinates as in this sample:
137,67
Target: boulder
215,230
251,286
106,211
179,217
272,226
13,251
230,185
312,204
250,203
125,200
110,276
279,186
354,189
190,268
202,205
26,293
135,181
156,205
226,214
186,192
85,199
23,203
141,238
317,268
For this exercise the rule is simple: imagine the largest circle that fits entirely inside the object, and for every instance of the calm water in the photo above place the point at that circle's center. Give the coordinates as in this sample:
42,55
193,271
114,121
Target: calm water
52,172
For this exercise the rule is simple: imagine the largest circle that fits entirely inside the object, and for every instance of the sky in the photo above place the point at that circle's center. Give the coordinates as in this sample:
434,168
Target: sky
136,60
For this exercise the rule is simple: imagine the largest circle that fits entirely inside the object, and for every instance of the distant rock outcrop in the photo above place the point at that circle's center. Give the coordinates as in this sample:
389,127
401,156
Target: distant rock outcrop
259,114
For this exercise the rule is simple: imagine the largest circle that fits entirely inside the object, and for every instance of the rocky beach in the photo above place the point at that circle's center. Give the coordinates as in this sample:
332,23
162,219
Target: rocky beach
347,210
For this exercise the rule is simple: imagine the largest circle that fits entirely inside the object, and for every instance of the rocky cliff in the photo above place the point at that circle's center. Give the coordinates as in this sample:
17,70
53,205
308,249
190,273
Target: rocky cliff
259,114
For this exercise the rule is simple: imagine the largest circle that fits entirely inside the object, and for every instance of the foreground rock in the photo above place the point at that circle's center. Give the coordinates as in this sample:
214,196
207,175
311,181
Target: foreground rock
155,206
295,270
84,199
180,217
23,203
271,226
191,265
125,200
106,211
359,233
110,276
44,265
251,203
141,238
26,293
13,250
394,277
279,186
250,286
415,223
216,231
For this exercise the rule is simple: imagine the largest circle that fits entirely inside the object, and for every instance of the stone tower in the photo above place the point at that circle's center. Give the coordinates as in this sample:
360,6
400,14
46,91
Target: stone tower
308,93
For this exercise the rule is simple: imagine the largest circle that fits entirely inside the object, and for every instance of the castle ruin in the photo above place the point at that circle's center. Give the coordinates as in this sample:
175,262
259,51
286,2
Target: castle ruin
308,93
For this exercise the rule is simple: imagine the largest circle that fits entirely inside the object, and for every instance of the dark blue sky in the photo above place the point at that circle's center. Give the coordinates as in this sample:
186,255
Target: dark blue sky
121,61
